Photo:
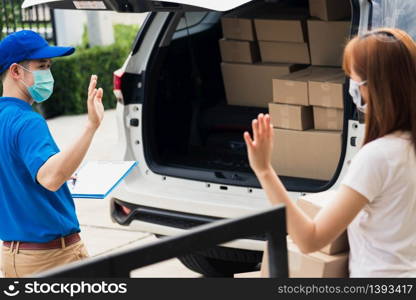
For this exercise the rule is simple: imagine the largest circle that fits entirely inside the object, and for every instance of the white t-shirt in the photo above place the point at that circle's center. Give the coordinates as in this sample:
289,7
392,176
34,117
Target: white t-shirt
382,236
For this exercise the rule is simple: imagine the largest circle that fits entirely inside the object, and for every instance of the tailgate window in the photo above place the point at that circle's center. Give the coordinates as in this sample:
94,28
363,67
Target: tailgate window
396,14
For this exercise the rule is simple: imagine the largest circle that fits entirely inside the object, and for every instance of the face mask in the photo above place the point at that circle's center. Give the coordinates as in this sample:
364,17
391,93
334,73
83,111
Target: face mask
42,87
356,94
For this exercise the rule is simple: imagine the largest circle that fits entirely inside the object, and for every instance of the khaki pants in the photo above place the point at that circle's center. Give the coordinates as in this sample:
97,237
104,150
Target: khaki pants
23,263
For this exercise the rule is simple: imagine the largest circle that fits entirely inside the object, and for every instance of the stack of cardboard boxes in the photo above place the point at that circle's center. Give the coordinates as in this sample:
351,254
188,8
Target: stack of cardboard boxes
247,75
307,109
307,113
328,30
265,57
330,262
282,40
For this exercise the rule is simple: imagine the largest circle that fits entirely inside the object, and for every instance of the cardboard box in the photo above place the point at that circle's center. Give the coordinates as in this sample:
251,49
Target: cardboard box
239,24
307,154
316,264
251,85
328,118
238,28
289,116
284,52
330,10
254,274
239,51
311,265
277,30
327,40
327,90
311,204
293,88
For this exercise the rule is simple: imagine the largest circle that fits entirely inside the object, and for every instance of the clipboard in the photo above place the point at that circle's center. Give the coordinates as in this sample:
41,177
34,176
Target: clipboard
97,179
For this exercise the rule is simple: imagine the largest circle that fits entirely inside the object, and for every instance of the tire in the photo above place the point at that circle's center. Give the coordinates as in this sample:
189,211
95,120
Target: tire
222,261
211,267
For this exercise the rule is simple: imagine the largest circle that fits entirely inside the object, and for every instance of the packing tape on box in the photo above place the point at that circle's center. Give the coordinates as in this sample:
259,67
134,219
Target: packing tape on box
289,83
238,27
236,53
332,120
294,260
290,99
331,113
332,125
325,86
285,121
326,99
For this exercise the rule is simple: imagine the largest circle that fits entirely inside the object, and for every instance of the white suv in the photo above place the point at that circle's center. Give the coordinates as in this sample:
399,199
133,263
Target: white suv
173,119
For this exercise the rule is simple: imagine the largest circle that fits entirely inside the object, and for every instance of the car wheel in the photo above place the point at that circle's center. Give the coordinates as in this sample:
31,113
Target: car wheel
221,261
211,267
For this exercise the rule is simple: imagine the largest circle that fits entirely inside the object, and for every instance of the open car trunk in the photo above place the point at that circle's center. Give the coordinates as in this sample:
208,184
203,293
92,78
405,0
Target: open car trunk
190,128
193,122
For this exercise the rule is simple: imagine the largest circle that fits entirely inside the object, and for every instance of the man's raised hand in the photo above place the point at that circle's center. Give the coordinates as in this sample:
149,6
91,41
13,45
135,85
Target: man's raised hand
95,104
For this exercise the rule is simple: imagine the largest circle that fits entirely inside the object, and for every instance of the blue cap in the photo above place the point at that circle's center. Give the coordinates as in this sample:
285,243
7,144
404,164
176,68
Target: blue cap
27,45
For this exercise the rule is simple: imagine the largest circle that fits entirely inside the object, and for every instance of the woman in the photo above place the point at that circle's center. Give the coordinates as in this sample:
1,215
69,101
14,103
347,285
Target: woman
376,200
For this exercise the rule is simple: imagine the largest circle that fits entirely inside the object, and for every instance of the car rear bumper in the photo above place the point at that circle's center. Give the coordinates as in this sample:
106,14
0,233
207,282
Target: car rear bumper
170,223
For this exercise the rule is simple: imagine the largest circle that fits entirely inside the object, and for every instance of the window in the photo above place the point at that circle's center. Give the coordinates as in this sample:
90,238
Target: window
395,13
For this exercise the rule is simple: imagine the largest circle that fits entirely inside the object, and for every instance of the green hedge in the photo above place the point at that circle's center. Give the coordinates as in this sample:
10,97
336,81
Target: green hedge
72,74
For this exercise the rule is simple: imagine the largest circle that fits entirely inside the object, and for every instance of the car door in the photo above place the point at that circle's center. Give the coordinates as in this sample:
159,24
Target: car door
138,6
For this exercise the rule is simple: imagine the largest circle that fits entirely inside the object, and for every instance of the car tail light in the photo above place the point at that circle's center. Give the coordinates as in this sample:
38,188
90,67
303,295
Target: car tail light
125,210
117,81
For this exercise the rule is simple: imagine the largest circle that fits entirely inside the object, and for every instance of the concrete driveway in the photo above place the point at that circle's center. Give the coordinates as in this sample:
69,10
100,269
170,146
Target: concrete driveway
99,233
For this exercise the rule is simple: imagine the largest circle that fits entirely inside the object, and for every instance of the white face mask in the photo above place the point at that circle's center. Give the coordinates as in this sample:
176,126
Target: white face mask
356,94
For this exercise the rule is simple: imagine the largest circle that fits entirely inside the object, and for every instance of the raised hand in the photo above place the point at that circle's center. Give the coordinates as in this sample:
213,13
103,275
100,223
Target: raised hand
95,104
260,148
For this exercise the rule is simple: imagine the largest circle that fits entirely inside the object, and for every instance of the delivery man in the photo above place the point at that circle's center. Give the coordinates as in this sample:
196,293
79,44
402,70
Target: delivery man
38,224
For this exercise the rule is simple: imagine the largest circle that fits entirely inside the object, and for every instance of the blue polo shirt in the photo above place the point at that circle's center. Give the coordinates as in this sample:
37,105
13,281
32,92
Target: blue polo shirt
28,211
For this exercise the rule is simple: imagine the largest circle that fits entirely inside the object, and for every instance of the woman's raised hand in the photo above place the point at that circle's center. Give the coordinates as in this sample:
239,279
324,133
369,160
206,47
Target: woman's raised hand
261,146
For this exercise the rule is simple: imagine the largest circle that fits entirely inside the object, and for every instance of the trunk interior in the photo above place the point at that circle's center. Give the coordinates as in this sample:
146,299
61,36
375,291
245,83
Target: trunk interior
190,131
